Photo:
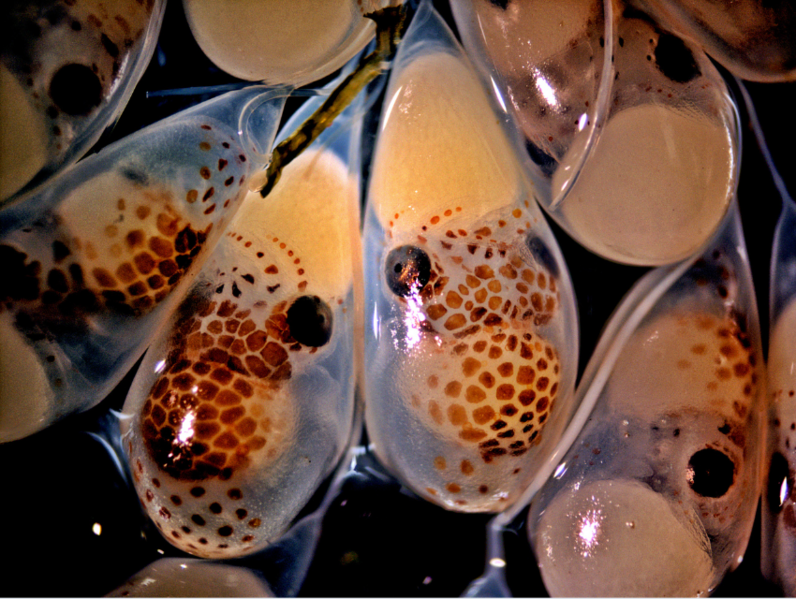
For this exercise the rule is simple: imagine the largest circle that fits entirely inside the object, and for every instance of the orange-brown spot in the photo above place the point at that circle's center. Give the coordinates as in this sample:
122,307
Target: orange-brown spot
525,375
474,394
472,434
483,414
274,354
453,389
453,299
504,392
161,247
484,271
470,366
466,467
486,379
435,412
436,311
439,463
506,369
457,415
455,321
104,278
453,488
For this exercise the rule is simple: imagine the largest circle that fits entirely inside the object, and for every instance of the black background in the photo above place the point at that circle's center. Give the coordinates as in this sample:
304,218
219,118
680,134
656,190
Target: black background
377,538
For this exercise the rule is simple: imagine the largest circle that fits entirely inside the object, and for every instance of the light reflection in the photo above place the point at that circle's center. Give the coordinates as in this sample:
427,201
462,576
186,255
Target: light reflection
589,530
395,97
783,492
97,528
560,471
186,428
498,94
413,317
497,562
547,91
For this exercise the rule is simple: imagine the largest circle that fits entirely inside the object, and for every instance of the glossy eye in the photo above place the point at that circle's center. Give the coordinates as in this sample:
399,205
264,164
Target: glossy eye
76,89
310,321
710,473
407,270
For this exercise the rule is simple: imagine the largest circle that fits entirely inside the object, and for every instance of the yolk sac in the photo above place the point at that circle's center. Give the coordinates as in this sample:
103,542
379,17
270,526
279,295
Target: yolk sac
407,270
710,473
310,321
76,89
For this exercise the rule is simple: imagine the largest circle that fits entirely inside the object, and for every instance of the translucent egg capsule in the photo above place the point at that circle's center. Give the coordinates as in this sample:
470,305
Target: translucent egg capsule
657,494
753,39
67,70
661,175
471,332
779,512
244,404
95,260
550,64
291,42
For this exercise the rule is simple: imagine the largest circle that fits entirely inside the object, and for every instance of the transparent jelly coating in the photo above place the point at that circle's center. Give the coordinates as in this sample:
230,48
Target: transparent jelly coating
754,39
661,176
95,261
549,63
290,42
244,404
467,373
175,577
67,70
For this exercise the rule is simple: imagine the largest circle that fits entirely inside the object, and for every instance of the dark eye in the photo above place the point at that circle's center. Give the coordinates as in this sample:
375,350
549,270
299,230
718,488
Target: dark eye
675,60
542,254
710,473
310,321
76,89
407,270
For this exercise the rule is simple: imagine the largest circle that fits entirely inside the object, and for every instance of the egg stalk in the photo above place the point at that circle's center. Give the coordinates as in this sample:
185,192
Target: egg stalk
391,24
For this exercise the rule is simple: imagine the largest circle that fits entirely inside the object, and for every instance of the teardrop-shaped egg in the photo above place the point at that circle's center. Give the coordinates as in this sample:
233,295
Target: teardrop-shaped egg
467,368
245,402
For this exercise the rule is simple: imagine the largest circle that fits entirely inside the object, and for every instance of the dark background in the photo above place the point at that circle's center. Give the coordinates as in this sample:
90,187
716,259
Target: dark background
377,538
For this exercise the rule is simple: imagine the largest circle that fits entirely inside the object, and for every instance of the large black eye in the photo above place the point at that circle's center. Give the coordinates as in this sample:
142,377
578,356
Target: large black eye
710,473
407,270
675,60
76,89
779,483
310,321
